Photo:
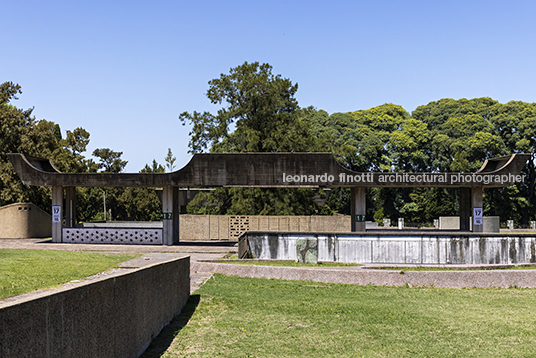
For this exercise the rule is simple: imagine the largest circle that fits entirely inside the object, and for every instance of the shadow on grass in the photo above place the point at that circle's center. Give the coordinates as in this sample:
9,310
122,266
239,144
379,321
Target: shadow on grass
161,343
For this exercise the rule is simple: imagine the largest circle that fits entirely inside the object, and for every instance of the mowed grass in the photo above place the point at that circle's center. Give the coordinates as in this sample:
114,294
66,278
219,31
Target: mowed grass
245,317
23,271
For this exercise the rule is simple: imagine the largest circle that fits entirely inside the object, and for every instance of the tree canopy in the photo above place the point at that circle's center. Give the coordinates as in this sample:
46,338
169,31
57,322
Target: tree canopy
259,113
259,105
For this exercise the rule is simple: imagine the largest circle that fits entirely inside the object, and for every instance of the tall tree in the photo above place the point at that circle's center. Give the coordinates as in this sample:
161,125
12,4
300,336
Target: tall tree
170,160
110,161
259,104
261,108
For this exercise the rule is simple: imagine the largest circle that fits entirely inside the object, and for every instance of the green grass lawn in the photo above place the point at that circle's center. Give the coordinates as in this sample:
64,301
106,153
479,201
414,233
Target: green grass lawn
24,271
243,317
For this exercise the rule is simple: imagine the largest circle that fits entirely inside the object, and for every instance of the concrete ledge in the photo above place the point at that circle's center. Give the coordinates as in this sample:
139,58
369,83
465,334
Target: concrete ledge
362,276
392,248
116,316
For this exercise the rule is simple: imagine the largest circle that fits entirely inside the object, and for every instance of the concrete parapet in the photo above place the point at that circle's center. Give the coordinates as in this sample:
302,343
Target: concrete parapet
123,224
23,221
492,224
115,316
410,248
449,223
371,225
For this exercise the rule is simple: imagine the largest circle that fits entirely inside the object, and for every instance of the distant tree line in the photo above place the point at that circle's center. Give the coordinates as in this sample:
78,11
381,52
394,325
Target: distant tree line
259,113
442,136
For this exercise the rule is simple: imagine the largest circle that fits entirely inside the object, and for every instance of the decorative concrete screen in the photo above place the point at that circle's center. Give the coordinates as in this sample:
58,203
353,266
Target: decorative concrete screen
237,226
140,236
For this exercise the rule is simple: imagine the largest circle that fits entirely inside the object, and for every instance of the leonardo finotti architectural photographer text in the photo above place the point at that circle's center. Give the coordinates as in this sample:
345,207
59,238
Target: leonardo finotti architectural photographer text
401,178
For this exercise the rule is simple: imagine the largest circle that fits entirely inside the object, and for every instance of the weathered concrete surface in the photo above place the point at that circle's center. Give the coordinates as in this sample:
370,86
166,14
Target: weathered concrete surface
24,220
364,276
265,170
396,248
114,316
230,227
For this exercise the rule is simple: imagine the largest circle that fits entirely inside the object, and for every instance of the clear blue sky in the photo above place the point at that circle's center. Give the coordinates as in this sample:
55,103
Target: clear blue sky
124,70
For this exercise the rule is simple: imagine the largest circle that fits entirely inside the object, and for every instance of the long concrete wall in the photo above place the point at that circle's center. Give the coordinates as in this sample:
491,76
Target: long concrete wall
230,227
111,317
392,248
24,220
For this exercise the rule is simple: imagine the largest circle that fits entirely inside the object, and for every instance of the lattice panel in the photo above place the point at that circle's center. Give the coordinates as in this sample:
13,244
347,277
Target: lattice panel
113,236
237,226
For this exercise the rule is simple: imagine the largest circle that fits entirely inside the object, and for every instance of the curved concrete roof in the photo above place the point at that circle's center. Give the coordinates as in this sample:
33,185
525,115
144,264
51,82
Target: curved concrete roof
270,170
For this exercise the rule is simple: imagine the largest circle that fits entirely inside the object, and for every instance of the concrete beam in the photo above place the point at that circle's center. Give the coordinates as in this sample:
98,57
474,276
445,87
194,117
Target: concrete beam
270,170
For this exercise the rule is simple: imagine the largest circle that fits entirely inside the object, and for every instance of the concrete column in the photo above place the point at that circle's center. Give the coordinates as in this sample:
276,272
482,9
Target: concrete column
70,206
465,208
170,209
176,213
358,206
478,211
57,213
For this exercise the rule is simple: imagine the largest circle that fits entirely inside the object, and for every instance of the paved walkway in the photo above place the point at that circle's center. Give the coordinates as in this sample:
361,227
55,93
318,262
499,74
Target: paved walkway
202,257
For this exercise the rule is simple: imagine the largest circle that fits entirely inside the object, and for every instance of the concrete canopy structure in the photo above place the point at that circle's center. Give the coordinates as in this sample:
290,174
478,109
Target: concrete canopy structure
267,170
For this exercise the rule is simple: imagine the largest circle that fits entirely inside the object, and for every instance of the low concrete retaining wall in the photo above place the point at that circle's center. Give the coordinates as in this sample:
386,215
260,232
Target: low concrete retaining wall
364,276
391,248
115,316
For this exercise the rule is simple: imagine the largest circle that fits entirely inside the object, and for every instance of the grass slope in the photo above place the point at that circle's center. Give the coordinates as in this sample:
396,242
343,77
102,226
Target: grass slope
24,271
244,317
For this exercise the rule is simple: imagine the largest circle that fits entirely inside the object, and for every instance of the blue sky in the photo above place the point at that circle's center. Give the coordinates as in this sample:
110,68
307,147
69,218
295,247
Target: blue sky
124,70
